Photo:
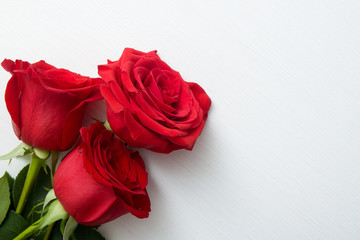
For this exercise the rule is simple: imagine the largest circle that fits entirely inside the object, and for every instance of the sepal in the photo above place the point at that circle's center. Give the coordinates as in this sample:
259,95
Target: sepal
54,213
70,227
49,197
21,150
41,153
107,125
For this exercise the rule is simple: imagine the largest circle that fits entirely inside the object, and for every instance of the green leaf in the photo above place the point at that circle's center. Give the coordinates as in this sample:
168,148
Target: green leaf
20,150
18,184
87,233
11,185
13,225
10,181
4,197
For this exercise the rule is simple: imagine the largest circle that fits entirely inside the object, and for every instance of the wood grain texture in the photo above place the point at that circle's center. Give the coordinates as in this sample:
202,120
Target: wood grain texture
279,157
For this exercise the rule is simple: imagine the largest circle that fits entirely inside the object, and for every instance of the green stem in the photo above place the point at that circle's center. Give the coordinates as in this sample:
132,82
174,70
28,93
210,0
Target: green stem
30,230
48,232
32,173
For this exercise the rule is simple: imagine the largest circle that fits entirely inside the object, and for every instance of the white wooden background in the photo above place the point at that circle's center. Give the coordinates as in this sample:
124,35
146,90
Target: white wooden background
279,158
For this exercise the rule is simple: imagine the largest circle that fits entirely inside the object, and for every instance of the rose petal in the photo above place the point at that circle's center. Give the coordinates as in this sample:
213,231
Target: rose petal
201,96
12,95
151,124
189,140
110,99
108,72
141,135
126,76
82,200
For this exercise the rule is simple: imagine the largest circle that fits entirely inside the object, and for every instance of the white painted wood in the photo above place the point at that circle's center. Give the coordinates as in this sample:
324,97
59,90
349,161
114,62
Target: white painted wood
280,155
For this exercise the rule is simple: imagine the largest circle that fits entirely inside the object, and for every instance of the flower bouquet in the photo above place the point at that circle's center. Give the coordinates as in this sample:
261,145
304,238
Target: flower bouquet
102,176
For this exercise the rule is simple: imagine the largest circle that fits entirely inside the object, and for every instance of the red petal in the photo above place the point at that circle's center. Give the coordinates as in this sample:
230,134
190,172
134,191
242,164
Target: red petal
8,65
142,135
108,72
81,196
188,141
110,99
153,125
12,103
201,96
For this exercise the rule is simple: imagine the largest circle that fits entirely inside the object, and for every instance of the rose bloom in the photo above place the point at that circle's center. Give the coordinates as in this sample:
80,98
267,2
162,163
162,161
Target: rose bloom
100,179
149,105
47,104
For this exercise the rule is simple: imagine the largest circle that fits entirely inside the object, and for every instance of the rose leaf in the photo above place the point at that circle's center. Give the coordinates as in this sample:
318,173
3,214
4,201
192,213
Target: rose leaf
13,225
4,197
87,233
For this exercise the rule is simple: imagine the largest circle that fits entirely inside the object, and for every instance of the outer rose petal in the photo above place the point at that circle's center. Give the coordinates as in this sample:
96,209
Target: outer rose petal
81,196
46,104
130,54
72,124
201,96
111,100
42,116
108,72
11,99
189,141
13,92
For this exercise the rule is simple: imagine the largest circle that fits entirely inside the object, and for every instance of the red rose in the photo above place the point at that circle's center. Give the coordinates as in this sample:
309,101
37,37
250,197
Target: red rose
101,179
150,105
47,104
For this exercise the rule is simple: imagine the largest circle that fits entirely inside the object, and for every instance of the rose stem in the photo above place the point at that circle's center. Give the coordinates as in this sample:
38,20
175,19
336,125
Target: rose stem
32,173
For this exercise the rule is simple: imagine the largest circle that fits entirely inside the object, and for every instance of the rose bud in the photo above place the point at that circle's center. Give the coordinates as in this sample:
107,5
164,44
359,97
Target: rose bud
47,104
100,179
149,105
